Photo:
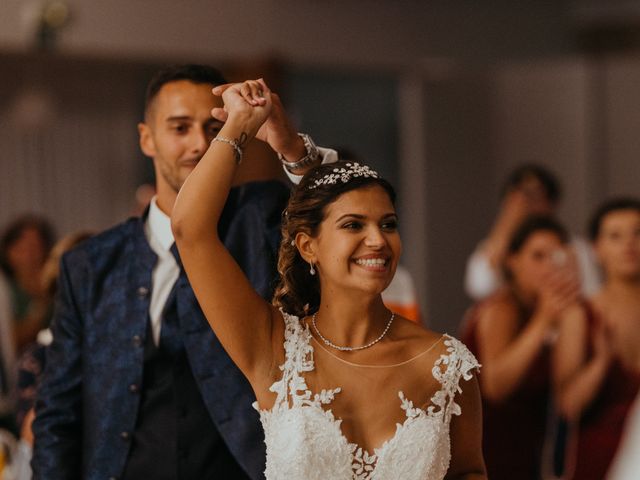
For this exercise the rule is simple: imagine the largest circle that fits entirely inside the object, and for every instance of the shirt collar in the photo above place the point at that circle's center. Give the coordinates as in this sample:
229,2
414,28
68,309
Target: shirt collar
159,224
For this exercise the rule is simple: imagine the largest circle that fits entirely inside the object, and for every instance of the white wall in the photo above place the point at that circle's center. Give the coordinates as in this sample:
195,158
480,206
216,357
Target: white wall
542,114
621,123
68,141
578,116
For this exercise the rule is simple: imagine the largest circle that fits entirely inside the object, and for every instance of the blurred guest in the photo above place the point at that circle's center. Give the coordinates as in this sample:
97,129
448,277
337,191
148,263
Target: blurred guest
7,356
597,361
24,247
32,361
510,333
529,190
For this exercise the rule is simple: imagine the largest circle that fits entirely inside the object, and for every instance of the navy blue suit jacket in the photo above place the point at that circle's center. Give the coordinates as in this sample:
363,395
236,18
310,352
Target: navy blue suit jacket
85,402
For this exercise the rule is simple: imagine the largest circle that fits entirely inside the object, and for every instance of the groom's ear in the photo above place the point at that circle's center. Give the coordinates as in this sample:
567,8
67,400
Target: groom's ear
147,144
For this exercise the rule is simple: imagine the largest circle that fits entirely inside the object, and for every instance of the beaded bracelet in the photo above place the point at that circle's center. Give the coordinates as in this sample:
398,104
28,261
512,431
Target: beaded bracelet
237,150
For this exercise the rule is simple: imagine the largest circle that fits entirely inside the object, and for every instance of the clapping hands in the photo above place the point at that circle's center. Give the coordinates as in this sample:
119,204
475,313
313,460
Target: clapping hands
561,288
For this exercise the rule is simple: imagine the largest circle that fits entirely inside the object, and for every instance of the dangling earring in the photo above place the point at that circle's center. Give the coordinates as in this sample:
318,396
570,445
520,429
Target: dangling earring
312,271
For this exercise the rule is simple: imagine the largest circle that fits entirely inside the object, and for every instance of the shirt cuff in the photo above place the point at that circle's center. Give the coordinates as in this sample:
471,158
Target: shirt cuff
328,156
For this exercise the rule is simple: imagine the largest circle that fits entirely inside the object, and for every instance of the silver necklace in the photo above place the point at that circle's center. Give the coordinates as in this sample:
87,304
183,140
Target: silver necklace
351,349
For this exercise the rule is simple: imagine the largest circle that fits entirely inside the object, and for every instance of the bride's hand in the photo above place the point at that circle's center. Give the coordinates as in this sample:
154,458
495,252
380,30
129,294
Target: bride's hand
248,103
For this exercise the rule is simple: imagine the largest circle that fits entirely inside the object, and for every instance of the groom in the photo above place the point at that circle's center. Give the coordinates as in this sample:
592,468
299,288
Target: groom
136,384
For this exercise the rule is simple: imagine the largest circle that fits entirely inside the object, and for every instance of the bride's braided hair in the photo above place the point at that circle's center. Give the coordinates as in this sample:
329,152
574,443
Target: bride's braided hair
298,292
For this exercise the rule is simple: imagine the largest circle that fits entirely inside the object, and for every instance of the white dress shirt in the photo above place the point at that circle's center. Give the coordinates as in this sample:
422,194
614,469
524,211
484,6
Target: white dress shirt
157,229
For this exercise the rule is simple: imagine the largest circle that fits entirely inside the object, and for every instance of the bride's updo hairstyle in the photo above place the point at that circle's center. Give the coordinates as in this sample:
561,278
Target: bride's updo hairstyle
298,292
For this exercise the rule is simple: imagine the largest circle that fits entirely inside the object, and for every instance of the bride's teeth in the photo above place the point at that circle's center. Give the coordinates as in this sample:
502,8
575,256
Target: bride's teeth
371,262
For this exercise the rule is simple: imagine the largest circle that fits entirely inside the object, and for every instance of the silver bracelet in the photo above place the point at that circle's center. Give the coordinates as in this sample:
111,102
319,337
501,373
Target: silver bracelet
310,158
237,150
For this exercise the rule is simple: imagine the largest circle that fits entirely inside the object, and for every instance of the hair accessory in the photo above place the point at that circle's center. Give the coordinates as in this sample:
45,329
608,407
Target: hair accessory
235,144
345,174
351,349
312,271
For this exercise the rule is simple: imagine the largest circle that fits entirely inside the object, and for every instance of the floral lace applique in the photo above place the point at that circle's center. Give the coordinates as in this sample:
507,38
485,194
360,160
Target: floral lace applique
304,441
298,359
363,463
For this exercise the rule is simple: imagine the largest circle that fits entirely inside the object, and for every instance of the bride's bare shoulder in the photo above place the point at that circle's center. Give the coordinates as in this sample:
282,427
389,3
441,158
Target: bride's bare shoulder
417,337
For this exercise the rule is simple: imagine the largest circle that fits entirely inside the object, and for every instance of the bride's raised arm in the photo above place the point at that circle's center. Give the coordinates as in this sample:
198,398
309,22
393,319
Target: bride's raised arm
241,319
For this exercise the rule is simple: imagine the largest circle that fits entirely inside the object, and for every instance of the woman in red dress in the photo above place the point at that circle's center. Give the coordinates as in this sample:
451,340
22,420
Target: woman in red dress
510,333
597,359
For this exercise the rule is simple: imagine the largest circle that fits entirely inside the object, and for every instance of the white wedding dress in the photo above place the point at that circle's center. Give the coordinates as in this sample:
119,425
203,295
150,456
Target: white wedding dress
304,440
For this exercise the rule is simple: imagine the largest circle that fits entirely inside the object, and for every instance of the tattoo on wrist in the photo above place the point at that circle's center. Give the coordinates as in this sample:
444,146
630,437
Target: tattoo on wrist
242,140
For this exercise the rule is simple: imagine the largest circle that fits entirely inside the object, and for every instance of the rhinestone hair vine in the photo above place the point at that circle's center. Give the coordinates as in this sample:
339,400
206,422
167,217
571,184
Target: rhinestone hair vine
344,174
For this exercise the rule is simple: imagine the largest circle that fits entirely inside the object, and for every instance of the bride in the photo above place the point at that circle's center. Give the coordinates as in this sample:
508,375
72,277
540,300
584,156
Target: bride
345,388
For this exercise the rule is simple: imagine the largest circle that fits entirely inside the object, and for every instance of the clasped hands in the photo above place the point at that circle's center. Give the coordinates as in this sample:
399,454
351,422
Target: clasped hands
260,111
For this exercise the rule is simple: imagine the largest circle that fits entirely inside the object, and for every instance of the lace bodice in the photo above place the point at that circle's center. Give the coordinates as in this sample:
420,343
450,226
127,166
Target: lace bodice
305,441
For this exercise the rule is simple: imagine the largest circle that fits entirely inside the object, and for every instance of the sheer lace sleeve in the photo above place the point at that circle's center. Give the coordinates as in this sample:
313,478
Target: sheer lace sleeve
457,363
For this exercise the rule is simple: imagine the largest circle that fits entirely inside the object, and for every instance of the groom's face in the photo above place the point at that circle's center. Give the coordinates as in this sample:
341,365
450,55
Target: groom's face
178,130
